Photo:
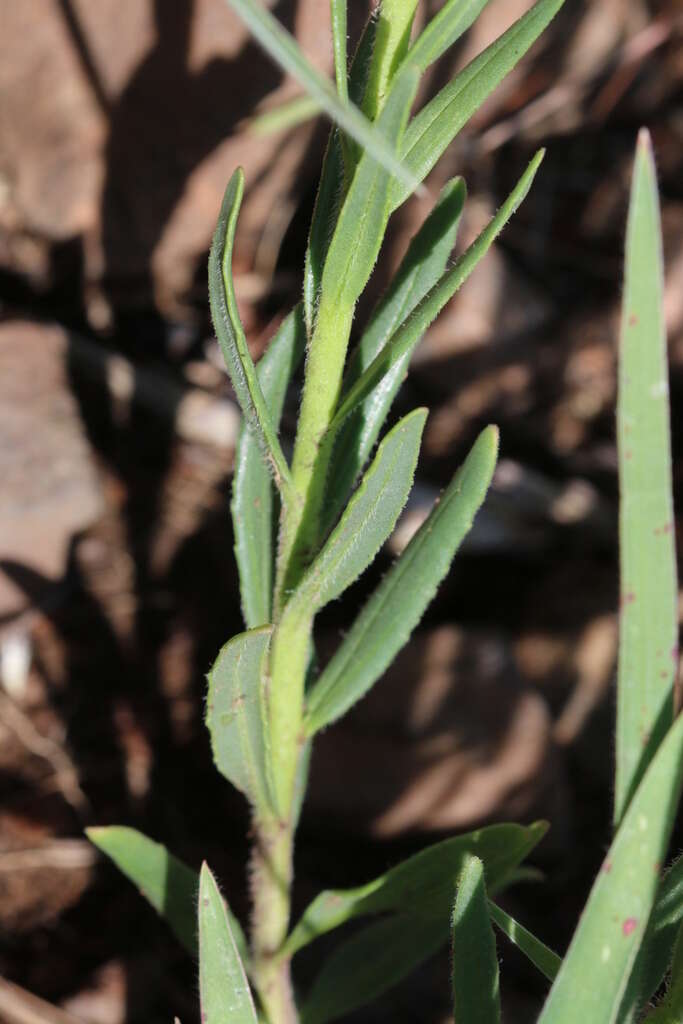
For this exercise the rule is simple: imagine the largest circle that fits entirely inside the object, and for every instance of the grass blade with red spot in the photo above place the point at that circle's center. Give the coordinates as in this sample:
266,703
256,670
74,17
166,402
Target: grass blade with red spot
648,633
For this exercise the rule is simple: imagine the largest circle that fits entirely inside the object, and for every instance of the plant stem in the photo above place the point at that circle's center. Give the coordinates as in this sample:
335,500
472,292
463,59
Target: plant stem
271,881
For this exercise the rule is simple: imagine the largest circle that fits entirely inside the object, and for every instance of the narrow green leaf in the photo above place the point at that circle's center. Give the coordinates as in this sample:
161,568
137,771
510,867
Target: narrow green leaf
423,882
285,51
236,714
476,985
595,971
231,337
283,117
444,29
397,605
253,500
433,129
332,187
655,953
363,216
369,963
223,986
540,955
368,519
165,882
422,266
168,884
648,629
406,337
392,38
338,13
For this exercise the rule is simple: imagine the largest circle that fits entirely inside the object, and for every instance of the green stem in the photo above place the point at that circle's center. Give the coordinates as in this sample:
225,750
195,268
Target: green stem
271,882
392,39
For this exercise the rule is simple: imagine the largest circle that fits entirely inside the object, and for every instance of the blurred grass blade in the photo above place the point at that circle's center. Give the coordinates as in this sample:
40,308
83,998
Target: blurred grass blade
444,29
285,51
433,129
168,884
540,955
406,337
230,334
338,16
422,266
223,986
363,217
648,628
476,984
368,519
165,882
424,882
236,714
654,956
283,117
595,971
333,181
253,507
369,963
397,605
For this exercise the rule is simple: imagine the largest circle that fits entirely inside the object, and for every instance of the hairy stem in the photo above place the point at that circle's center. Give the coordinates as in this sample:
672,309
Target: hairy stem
271,881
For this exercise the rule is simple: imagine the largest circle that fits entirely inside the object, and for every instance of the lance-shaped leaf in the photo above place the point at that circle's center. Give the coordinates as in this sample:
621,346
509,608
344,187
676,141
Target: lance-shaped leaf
363,217
434,128
476,987
223,987
253,500
540,955
368,519
406,337
397,605
331,188
444,29
654,956
423,883
230,333
422,266
369,963
648,626
595,971
167,883
236,714
288,55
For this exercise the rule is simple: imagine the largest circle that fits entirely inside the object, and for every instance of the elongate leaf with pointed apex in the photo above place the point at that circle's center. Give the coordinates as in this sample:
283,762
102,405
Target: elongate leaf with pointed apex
433,129
165,882
648,625
424,882
363,216
223,987
654,956
540,955
369,963
444,29
387,620
287,54
406,337
168,884
476,985
331,188
368,519
253,500
595,971
230,334
422,266
236,714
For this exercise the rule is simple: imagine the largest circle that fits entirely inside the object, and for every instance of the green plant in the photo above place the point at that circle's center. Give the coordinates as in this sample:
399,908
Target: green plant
306,529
